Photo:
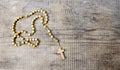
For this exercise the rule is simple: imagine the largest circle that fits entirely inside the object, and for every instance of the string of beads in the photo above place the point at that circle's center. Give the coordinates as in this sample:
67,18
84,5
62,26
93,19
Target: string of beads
18,34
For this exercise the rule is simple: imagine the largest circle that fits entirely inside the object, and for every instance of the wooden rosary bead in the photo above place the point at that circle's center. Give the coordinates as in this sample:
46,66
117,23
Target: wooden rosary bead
23,38
56,40
51,36
49,31
18,45
42,21
38,10
41,10
29,34
22,42
45,26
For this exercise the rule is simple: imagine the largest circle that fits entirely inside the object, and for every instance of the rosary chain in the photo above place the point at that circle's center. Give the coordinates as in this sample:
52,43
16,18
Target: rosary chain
17,34
44,20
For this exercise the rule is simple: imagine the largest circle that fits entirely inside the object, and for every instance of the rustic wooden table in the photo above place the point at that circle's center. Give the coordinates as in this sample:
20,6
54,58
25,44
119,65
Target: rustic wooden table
89,30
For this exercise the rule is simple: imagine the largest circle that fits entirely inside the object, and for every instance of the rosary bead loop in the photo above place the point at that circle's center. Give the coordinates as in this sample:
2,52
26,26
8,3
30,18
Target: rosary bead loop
29,41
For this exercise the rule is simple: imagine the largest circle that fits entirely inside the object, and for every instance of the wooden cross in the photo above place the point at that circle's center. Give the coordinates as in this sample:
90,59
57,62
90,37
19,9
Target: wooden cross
61,52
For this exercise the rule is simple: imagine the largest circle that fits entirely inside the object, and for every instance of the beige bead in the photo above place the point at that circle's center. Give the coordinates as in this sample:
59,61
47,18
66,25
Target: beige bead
33,31
15,44
23,42
31,44
33,28
37,42
46,19
34,45
26,16
22,38
18,36
45,22
13,25
25,32
13,29
41,10
41,21
33,39
36,39
17,18
46,14
36,17
33,20
51,36
15,21
33,12
28,43
32,24
39,16
29,34
20,17
45,26
49,31
15,36
56,40
13,39
38,10
22,31
30,39
18,45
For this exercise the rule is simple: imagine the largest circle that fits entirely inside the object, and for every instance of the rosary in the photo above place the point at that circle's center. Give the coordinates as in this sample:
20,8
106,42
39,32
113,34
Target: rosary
44,20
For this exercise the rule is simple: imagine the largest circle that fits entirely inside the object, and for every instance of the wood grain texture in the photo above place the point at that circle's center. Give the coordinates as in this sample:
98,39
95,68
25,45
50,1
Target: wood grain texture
89,30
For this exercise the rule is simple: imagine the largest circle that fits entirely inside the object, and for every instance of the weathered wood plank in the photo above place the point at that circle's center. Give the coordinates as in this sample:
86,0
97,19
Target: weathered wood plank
89,30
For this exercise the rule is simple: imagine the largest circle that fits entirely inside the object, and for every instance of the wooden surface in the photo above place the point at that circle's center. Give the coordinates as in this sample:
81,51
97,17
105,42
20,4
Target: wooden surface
89,30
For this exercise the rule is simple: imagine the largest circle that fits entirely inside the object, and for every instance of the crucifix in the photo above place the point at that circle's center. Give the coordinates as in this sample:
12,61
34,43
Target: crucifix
61,52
